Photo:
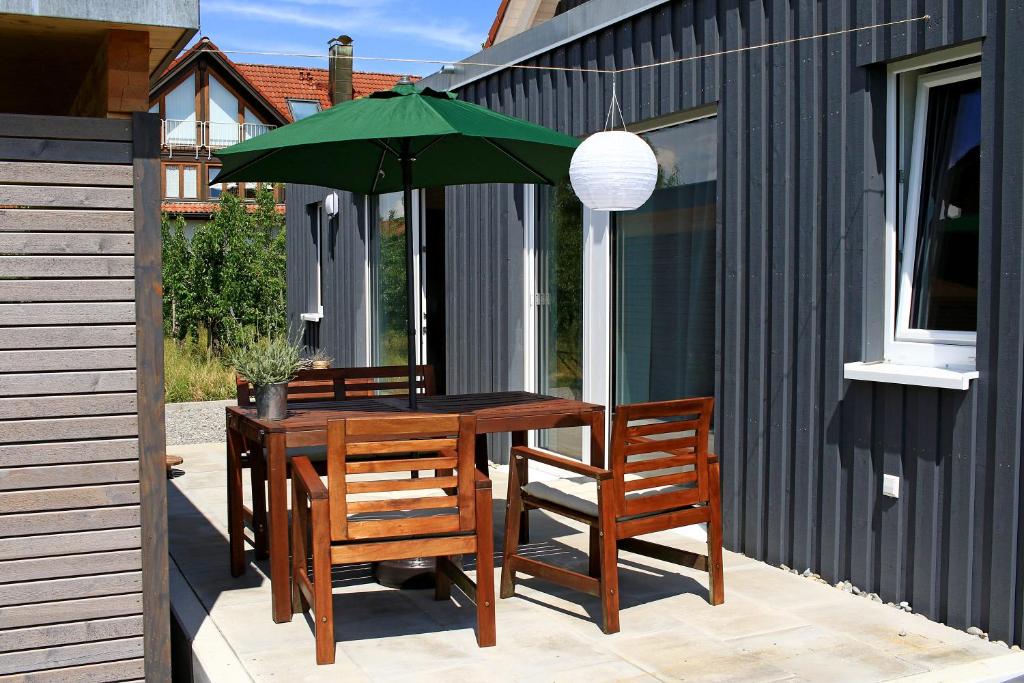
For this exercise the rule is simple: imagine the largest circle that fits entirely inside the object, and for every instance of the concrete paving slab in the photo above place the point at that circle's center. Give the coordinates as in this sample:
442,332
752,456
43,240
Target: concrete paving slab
774,625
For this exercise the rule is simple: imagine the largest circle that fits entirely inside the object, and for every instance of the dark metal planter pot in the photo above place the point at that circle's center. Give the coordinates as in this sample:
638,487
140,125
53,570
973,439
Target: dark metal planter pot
272,401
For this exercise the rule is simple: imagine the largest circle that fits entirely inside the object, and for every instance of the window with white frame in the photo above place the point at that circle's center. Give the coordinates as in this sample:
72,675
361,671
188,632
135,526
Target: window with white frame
300,109
315,306
932,204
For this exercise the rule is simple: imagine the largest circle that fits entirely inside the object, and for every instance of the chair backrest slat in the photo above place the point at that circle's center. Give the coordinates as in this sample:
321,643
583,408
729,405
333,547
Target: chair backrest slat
367,492
335,384
664,447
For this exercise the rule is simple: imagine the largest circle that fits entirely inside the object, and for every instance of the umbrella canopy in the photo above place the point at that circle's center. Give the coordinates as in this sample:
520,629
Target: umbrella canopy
359,146
402,139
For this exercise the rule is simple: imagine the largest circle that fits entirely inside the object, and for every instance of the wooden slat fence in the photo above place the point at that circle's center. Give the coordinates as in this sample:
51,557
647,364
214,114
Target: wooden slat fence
80,584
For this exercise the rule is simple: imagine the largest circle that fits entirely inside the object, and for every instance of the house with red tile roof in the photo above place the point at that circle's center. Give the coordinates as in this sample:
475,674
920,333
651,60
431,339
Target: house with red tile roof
207,101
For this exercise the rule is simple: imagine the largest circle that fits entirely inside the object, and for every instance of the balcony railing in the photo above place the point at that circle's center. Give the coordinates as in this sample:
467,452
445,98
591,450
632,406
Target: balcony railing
204,136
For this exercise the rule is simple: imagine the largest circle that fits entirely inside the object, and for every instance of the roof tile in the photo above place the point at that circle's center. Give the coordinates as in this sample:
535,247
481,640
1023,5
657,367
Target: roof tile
203,208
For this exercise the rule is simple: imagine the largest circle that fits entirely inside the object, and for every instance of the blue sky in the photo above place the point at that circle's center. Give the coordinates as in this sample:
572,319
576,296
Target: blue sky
423,29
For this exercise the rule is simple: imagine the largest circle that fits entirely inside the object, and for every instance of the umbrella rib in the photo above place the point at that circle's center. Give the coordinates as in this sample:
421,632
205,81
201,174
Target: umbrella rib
380,169
519,161
427,146
230,175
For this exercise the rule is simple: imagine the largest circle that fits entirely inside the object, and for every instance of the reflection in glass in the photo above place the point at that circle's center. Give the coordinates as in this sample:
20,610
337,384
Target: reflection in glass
559,248
664,273
945,289
390,342
214,190
172,182
190,182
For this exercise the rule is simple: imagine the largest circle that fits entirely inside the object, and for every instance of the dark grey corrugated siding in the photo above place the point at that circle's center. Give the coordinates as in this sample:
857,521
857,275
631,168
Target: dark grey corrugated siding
484,305
342,330
801,214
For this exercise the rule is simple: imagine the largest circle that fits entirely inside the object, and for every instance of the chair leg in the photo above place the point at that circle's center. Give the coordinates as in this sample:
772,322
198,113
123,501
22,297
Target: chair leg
513,518
594,557
236,536
608,558
300,548
258,479
442,584
485,628
323,610
716,575
520,439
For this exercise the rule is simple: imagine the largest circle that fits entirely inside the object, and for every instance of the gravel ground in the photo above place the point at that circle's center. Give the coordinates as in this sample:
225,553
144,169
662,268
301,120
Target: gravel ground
198,422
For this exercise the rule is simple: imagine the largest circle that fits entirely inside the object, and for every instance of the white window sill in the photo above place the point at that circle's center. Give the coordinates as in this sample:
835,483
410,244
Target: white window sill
311,317
915,375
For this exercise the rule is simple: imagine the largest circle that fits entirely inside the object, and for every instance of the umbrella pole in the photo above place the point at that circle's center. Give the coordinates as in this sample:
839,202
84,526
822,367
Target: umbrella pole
410,285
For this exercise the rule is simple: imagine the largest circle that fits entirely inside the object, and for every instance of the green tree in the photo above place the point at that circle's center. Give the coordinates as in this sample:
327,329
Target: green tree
229,275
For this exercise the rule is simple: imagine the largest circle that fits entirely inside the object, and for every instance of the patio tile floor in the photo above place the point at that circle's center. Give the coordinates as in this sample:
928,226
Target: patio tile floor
773,626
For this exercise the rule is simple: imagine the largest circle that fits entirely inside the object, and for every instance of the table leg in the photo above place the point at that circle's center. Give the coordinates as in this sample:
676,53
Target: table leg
597,459
277,483
236,534
522,468
482,461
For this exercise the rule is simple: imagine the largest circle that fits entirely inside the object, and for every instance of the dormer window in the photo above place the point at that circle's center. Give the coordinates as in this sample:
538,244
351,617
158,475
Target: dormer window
300,109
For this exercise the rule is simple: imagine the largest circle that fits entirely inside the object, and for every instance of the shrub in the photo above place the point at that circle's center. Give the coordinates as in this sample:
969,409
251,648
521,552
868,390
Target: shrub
193,373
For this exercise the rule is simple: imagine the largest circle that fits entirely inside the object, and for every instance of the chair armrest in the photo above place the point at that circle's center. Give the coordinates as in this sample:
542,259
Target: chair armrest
561,462
305,476
482,481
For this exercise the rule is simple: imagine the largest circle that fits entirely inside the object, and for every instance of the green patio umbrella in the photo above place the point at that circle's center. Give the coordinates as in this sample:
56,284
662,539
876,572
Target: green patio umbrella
402,139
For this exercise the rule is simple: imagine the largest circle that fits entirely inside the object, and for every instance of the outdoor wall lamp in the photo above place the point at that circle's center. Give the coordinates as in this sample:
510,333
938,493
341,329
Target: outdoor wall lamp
331,204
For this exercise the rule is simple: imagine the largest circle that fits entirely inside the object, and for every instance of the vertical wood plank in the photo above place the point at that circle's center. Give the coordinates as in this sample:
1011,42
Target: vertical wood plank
149,352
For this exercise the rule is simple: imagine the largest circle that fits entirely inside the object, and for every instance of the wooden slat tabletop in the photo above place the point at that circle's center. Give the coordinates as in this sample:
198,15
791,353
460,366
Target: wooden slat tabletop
497,411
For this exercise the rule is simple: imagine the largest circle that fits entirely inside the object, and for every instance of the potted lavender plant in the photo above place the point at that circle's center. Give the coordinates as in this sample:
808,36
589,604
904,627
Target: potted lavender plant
269,362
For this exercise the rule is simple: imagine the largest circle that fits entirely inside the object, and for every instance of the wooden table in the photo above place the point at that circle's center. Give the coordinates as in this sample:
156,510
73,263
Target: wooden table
306,425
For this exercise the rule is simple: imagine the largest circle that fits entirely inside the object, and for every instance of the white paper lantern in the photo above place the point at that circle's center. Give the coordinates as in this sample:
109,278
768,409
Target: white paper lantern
613,171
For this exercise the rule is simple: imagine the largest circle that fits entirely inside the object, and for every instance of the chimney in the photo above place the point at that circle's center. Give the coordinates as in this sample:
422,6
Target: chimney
340,73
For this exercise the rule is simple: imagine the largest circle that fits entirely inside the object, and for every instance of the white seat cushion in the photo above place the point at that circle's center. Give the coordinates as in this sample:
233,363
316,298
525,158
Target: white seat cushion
542,491
586,500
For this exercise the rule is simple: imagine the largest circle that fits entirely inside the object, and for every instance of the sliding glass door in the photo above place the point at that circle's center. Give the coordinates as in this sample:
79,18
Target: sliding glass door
558,245
388,297
663,279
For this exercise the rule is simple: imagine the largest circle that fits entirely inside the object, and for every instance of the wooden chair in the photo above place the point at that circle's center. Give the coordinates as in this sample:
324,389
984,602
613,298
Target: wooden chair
333,384
662,477
354,519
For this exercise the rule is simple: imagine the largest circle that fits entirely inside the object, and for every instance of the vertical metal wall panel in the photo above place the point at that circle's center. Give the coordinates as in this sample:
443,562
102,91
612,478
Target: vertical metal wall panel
343,328
800,222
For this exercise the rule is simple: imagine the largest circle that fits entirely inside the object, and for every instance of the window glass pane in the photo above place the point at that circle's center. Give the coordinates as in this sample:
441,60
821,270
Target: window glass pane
223,124
172,188
390,344
664,273
302,108
559,305
180,112
190,182
250,190
214,190
945,289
